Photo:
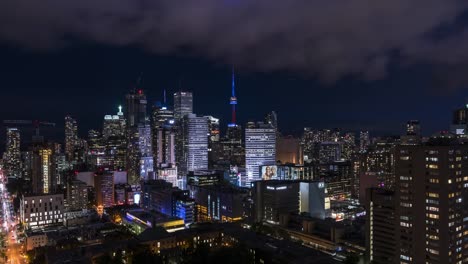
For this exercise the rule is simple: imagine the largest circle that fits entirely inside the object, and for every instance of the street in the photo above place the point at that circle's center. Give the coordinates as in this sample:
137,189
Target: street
9,225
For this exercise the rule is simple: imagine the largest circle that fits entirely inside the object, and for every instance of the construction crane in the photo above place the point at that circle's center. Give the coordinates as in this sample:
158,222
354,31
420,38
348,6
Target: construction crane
35,123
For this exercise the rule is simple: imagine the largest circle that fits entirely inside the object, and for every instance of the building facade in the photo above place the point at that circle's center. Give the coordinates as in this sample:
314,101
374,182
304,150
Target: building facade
260,149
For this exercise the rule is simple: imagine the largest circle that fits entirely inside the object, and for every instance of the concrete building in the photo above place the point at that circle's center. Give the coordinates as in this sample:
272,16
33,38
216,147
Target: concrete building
42,210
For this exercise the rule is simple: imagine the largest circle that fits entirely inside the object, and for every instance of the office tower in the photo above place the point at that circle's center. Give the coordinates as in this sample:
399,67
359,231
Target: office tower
77,195
71,137
146,151
137,133
364,141
114,142
260,149
96,150
164,136
114,125
12,155
39,211
104,186
195,144
233,146
381,226
214,138
135,108
183,104
431,201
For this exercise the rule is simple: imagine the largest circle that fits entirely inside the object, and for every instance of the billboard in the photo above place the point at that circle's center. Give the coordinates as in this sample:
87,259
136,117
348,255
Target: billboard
269,172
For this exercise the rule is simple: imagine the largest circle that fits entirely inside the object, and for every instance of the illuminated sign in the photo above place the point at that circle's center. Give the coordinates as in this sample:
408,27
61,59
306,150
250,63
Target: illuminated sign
276,188
136,198
269,172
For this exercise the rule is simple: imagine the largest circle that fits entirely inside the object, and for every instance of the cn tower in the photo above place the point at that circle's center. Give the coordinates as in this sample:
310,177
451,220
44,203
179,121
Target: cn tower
233,101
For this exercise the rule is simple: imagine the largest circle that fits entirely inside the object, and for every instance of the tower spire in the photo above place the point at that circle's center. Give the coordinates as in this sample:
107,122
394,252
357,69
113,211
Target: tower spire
164,97
233,85
233,100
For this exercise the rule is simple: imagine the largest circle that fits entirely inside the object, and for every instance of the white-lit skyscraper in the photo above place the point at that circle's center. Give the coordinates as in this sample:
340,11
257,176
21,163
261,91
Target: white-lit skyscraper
164,136
114,125
12,156
260,149
183,104
195,154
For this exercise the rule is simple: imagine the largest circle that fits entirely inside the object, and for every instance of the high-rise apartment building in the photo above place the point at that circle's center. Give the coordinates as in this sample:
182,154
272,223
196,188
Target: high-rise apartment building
42,170
260,149
381,226
71,137
77,195
12,155
431,195
183,104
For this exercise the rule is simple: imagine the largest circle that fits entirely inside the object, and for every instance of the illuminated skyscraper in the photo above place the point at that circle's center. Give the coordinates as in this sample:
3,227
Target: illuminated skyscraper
115,142
42,170
12,156
138,136
71,137
195,144
164,136
183,104
114,125
260,149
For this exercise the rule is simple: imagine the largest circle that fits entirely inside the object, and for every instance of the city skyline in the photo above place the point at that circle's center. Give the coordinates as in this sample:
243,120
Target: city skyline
349,104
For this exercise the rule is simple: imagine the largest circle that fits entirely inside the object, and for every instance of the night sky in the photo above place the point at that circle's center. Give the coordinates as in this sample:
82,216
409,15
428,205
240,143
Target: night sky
323,64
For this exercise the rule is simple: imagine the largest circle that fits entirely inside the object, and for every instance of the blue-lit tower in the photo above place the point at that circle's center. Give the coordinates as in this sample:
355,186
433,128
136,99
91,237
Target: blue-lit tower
233,101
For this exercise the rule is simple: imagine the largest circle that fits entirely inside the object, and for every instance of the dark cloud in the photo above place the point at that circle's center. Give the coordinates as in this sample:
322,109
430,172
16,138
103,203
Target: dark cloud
327,38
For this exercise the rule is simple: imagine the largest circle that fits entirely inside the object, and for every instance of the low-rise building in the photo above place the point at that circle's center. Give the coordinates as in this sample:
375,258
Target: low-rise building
42,210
